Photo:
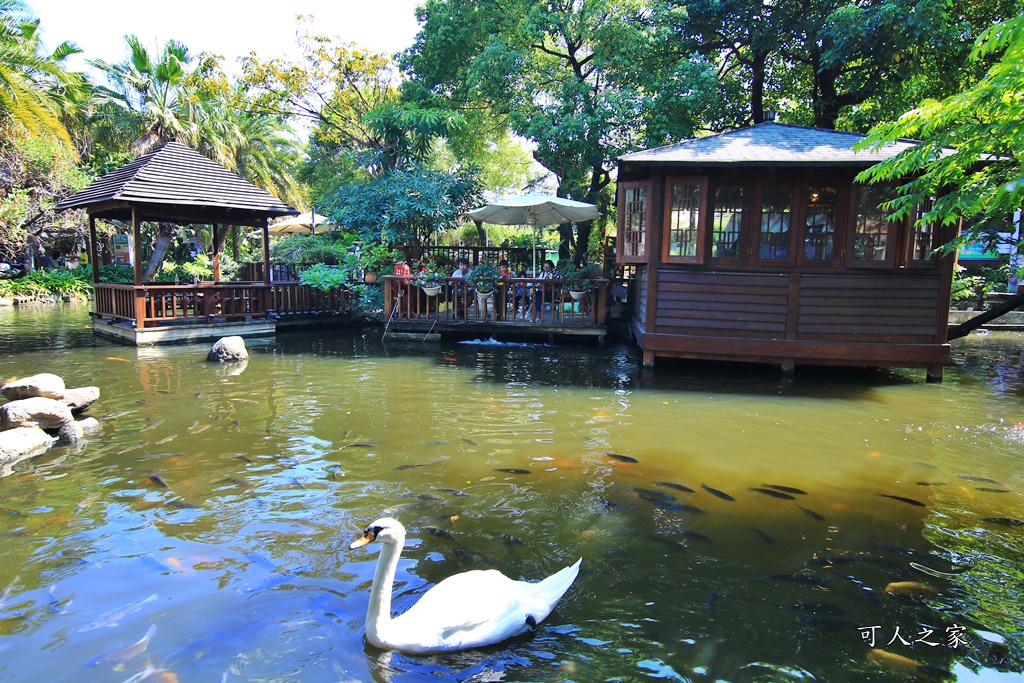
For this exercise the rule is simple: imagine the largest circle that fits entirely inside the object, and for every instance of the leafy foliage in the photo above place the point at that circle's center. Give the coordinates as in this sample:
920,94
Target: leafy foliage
323,277
970,157
59,282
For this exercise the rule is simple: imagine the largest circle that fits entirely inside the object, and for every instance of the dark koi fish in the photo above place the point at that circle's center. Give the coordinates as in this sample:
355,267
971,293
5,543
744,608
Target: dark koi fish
715,492
621,458
677,487
785,489
811,513
763,536
908,501
774,494
512,470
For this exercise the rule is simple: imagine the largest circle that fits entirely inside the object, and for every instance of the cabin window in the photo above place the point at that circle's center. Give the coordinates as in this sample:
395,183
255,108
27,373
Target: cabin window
776,214
871,226
685,201
820,226
727,222
924,235
633,217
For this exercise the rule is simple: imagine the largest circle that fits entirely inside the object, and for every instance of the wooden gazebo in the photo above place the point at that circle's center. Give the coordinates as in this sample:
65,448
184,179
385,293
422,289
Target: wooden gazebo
176,184
757,245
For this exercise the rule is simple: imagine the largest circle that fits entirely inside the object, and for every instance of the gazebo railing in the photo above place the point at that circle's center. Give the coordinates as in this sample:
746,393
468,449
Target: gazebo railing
158,303
517,301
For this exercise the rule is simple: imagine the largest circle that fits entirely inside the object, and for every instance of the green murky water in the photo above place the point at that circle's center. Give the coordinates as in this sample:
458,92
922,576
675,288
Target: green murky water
218,508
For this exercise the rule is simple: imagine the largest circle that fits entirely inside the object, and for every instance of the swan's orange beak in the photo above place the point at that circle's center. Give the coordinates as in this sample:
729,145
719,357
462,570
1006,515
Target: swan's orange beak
363,540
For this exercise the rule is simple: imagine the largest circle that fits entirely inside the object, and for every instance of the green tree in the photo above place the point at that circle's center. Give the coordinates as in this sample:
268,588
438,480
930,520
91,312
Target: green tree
972,149
577,79
34,86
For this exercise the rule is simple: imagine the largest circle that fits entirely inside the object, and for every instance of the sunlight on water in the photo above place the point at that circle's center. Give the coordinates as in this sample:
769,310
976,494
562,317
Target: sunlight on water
732,527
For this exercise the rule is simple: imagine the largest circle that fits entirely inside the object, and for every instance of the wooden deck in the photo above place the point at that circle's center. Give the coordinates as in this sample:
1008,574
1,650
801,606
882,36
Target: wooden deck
519,306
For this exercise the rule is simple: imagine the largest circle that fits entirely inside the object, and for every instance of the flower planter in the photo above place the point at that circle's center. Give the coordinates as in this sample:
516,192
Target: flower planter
576,296
431,291
369,277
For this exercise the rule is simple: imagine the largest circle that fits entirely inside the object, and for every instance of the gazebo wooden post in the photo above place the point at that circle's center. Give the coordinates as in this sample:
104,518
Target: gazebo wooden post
93,251
216,254
138,290
266,264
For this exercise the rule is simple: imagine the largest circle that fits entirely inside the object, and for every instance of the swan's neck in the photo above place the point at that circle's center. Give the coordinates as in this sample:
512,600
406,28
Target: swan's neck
378,614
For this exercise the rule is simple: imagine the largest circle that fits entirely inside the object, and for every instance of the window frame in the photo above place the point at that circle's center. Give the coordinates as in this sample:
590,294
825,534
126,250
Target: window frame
892,234
743,236
932,262
701,239
620,222
839,229
755,220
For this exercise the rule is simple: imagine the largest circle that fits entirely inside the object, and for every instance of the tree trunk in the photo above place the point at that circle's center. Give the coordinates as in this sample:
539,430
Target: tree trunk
164,233
40,257
757,88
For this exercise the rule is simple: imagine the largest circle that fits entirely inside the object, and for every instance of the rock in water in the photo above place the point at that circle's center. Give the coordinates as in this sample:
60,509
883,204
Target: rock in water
45,413
228,350
81,398
75,431
44,384
22,442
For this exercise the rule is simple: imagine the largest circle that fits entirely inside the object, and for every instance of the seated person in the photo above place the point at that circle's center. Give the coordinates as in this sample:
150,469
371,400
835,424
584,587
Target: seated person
543,295
521,295
502,290
461,290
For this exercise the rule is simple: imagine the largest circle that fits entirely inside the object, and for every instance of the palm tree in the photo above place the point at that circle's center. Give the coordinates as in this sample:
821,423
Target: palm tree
33,84
147,105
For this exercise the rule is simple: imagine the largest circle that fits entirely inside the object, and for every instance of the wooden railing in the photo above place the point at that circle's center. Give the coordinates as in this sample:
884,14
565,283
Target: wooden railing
292,298
517,301
158,303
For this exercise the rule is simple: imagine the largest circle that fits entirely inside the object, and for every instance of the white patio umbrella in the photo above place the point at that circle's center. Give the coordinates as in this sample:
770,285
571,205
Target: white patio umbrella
534,209
303,224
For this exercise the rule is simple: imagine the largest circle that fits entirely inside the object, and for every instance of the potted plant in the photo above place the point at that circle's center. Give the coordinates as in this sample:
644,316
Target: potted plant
375,259
579,279
428,279
484,279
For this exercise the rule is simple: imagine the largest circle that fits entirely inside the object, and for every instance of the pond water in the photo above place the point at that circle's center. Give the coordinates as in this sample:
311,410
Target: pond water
217,506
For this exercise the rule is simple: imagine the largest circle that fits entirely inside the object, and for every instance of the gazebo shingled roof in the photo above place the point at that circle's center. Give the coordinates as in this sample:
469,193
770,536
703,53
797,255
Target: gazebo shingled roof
775,144
176,183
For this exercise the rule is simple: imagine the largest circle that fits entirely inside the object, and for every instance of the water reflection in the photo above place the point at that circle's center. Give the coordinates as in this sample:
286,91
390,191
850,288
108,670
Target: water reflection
233,497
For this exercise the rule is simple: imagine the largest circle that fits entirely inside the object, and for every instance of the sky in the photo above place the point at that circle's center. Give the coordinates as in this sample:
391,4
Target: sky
231,28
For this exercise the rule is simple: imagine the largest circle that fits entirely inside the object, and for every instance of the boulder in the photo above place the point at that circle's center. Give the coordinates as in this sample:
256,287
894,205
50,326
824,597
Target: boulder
22,442
76,430
44,384
228,350
81,398
45,413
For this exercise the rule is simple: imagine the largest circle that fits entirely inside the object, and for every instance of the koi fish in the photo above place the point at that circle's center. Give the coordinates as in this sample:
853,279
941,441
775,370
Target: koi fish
115,657
989,489
158,480
360,444
811,513
785,489
112,617
803,579
694,536
471,442
677,487
908,501
511,470
622,458
774,494
715,492
979,480
152,425
894,662
910,588
763,536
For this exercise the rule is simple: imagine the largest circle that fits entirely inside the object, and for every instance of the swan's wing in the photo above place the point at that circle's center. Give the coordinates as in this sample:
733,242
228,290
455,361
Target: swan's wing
476,607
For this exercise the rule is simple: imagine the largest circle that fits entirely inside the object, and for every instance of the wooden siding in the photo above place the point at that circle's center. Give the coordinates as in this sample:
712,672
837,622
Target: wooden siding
880,307
722,304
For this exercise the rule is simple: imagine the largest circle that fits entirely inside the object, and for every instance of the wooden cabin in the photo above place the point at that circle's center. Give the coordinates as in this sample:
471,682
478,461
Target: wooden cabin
757,245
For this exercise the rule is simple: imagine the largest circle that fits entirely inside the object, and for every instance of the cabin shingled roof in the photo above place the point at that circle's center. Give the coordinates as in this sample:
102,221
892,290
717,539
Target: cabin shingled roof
177,174
771,143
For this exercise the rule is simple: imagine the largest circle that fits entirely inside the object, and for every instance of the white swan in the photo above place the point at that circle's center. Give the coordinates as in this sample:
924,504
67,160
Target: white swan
468,610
